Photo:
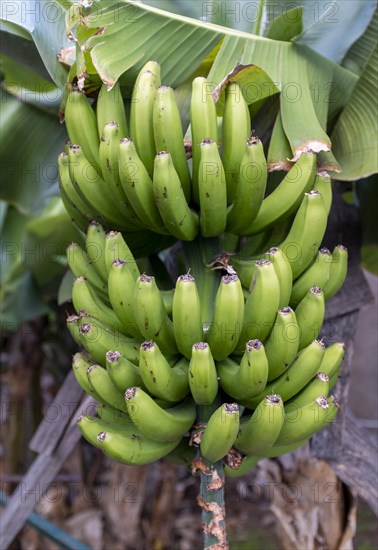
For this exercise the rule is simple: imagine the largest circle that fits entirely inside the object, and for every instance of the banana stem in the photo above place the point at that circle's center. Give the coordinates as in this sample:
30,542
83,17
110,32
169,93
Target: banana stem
211,497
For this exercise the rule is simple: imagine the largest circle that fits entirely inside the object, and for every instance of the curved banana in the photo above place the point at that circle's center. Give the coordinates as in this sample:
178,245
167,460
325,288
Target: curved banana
250,190
179,219
81,125
169,136
284,274
310,316
110,108
91,427
203,377
137,185
319,385
338,271
156,423
76,216
245,268
122,372
203,124
98,342
212,190
287,197
248,379
306,233
112,416
80,365
224,332
73,324
150,315
160,379
95,246
81,266
260,432
102,384
186,314
84,298
282,344
67,186
247,464
141,113
323,184
220,432
116,248
332,359
316,275
236,129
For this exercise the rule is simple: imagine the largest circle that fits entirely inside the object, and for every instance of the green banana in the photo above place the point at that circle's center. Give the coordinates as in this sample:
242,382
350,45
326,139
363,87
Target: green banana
112,416
101,382
76,216
183,454
251,185
203,121
133,450
261,305
282,344
95,246
310,316
303,423
259,433
121,287
236,129
295,378
81,266
224,332
169,136
247,464
116,248
91,427
72,323
245,268
319,385
81,125
80,365
284,274
137,185
212,190
338,271
110,108
122,372
98,342
158,424
306,233
150,315
220,432
203,377
287,197
84,298
249,379
332,359
316,275
323,184
160,379
335,377
179,219
141,113
186,315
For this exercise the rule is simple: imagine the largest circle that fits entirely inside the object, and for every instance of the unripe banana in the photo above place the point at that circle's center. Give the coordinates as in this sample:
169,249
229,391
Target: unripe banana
116,248
84,298
203,377
310,316
113,416
261,305
72,323
250,190
262,429
91,427
212,190
80,365
66,184
284,274
169,136
141,113
170,384
95,246
81,125
133,450
121,288
203,120
316,275
296,377
249,379
224,332
287,197
236,128
183,454
282,344
186,315
306,233
110,107
338,271
335,377
76,216
320,385
332,359
220,432
303,423
245,268
122,372
323,184
137,185
98,342
150,315
104,387
156,423
81,266
247,464
179,219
